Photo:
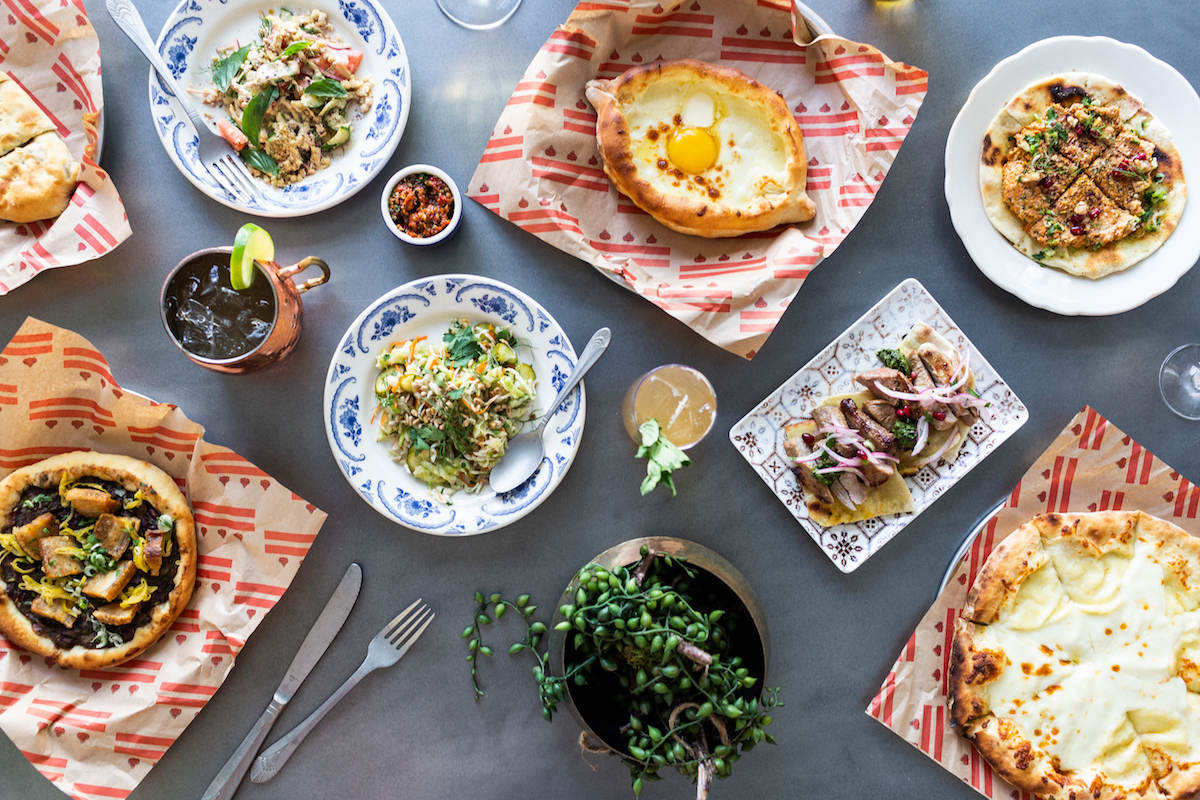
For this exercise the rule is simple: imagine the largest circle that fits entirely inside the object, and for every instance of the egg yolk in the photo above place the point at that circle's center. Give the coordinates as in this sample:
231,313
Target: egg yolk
692,149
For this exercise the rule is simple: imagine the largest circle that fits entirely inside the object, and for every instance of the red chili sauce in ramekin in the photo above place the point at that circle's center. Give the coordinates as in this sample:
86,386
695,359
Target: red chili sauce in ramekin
421,205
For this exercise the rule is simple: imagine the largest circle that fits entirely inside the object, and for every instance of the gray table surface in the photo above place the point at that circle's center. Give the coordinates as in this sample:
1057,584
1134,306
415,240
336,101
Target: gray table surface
414,731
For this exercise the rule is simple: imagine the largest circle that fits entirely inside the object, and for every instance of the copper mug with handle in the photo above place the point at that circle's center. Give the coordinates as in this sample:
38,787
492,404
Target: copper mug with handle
196,295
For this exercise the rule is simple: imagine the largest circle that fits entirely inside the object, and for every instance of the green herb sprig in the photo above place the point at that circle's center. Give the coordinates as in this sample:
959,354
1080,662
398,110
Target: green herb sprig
692,703
663,457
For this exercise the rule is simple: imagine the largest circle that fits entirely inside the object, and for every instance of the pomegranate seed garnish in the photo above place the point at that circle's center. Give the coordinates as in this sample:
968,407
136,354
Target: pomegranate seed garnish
1076,219
1046,182
1124,163
1077,230
1140,157
1079,130
939,415
1095,212
902,412
808,439
912,376
860,453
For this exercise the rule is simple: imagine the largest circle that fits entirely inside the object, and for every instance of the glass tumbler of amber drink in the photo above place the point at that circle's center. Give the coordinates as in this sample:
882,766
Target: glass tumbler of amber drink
679,397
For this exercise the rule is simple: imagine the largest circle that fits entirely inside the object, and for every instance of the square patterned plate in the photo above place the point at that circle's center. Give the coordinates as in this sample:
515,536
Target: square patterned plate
759,436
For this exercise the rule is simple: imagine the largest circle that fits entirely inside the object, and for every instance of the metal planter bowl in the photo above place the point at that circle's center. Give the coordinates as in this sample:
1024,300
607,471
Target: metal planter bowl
589,712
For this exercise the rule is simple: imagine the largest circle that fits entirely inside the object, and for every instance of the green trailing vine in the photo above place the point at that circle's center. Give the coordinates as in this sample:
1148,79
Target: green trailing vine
648,635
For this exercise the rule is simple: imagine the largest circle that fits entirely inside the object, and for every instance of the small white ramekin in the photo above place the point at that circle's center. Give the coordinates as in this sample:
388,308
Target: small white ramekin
427,240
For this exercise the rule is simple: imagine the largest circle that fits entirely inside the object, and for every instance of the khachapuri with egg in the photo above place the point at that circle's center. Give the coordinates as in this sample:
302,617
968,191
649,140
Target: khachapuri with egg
97,557
851,456
1075,667
1078,175
704,149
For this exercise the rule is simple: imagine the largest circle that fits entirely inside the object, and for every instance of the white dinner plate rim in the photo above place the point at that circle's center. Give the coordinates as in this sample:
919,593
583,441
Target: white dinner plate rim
1044,287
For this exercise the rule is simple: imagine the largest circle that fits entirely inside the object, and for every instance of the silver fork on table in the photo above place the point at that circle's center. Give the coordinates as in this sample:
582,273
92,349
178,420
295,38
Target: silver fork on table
386,648
215,153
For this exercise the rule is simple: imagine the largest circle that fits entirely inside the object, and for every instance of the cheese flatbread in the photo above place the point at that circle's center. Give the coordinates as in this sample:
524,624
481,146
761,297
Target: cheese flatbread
1075,665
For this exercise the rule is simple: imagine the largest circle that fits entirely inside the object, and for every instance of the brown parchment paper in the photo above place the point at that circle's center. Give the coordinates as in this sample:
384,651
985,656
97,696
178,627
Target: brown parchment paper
50,48
97,733
1090,466
541,169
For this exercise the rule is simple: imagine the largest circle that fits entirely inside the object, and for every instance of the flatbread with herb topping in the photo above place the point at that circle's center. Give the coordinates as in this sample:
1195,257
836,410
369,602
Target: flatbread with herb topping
1078,175
97,557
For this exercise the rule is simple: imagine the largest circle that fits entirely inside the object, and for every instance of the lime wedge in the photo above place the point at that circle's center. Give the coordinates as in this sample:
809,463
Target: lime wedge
251,244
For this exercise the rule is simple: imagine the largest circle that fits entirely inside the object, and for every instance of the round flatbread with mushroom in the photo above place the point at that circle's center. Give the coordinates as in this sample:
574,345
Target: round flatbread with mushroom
1078,175
97,557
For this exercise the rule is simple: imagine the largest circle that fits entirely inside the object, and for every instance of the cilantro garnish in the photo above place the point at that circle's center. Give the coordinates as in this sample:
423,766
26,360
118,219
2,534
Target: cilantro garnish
462,346
36,500
664,457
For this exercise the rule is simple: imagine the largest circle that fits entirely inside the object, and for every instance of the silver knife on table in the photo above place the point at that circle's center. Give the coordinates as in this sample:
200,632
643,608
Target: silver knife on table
311,649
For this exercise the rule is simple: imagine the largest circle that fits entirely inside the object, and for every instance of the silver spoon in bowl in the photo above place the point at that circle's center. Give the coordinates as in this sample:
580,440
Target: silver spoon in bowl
524,453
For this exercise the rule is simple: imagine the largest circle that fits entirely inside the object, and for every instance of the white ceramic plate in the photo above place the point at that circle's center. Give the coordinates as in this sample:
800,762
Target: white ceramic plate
189,40
1165,93
426,307
759,436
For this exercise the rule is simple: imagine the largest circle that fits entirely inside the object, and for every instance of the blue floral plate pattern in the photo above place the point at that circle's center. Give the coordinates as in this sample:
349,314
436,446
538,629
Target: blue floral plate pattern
426,307
189,39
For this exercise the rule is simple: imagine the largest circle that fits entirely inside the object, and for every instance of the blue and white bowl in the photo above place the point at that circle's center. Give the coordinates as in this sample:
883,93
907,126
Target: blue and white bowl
426,307
189,40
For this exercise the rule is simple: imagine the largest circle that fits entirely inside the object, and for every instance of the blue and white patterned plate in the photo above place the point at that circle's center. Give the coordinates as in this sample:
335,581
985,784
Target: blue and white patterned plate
190,38
426,307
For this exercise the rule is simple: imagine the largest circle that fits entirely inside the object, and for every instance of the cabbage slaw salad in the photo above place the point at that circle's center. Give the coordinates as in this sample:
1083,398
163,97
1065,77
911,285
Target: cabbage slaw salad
448,410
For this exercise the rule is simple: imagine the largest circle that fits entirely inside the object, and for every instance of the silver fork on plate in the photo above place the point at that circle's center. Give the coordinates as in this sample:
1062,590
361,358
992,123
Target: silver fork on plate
386,648
215,153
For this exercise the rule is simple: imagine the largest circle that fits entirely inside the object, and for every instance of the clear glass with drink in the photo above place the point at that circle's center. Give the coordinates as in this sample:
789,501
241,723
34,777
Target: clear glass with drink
1179,381
679,397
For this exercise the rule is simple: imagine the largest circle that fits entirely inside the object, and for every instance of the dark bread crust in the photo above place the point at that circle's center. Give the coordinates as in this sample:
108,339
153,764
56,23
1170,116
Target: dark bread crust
710,218
159,490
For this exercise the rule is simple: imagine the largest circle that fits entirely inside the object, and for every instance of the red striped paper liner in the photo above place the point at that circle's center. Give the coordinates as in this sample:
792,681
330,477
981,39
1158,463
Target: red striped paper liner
96,733
1090,466
50,50
541,171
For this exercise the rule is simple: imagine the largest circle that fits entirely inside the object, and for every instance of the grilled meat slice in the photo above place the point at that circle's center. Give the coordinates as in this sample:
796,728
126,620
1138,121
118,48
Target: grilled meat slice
28,535
114,532
893,379
827,418
881,411
804,474
923,380
58,610
153,551
56,564
871,430
849,490
91,502
107,585
943,370
114,614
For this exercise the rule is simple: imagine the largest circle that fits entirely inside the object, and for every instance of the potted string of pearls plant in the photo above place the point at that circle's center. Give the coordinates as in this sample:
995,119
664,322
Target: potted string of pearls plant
659,649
